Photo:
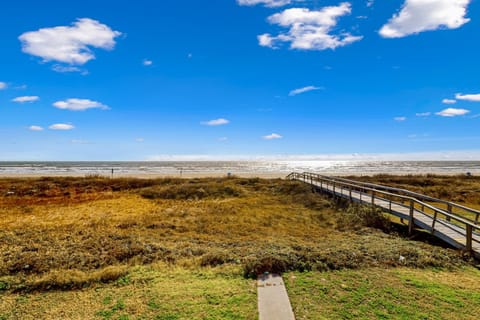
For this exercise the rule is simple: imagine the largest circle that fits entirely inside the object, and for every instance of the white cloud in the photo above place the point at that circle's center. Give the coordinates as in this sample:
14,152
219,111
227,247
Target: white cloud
423,114
61,126
147,62
266,3
303,90
35,128
468,97
370,3
79,104
423,15
309,30
69,44
64,69
452,112
272,136
3,85
449,101
400,119
216,122
26,99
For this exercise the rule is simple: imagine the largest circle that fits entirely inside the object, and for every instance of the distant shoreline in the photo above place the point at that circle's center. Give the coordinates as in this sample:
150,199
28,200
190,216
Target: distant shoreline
192,175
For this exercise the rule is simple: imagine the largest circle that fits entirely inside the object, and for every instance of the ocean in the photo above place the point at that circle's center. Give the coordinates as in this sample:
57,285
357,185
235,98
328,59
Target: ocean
278,167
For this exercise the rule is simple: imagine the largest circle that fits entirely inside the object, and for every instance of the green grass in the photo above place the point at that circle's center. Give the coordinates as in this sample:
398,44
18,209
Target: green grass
385,294
155,292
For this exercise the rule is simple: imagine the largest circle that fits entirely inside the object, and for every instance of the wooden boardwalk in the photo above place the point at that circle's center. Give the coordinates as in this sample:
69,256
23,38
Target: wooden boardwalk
451,224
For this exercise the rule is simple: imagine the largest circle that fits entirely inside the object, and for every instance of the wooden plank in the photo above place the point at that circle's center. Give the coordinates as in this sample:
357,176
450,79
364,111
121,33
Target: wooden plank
449,232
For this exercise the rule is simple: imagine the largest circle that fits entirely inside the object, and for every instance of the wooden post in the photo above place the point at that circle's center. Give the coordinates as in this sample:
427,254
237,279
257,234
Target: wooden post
411,223
468,244
449,209
350,192
373,198
434,220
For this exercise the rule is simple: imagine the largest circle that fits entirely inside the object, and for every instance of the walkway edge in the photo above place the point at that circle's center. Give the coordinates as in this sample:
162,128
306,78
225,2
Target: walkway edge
273,301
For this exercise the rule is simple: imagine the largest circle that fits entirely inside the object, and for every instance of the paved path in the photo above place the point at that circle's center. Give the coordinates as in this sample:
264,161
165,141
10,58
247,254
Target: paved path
273,302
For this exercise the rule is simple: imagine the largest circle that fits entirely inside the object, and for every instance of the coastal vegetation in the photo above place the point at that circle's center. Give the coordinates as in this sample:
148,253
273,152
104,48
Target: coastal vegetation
100,248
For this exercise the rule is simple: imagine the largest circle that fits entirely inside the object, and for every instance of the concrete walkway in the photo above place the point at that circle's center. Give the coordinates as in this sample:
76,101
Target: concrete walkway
273,302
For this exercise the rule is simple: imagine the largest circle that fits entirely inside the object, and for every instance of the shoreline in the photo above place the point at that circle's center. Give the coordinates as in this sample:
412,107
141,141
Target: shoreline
206,174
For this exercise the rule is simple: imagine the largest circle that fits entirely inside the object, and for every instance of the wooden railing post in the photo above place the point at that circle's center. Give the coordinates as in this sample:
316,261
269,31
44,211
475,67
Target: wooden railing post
468,243
373,198
449,209
434,220
350,192
411,223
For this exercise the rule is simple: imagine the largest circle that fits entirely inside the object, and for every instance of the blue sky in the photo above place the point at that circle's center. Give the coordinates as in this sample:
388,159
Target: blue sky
149,80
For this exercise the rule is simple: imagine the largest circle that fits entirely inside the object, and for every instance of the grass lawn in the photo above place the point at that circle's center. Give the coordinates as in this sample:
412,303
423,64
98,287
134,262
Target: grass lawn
98,248
400,293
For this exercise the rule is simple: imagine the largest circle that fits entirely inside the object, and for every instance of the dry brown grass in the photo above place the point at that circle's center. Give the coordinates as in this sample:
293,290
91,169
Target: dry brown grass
81,227
462,189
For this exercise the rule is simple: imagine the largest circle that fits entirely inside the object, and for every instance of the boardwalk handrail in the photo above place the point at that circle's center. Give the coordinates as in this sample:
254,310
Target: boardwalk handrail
377,190
415,195
450,205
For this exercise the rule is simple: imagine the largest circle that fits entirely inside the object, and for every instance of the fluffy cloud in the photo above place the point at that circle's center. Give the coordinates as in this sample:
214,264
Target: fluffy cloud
449,101
266,3
468,97
272,136
79,105
147,62
216,122
424,15
309,30
35,128
303,90
452,112
26,99
3,85
71,44
61,126
400,119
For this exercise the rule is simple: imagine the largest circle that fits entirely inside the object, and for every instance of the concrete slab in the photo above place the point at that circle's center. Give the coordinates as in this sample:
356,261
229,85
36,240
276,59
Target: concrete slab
273,301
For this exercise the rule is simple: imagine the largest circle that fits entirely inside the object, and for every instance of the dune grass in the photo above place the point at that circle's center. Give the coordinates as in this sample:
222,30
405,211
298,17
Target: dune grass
63,241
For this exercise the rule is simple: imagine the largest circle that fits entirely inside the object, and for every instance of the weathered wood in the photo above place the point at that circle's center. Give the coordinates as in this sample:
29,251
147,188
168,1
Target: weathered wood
456,230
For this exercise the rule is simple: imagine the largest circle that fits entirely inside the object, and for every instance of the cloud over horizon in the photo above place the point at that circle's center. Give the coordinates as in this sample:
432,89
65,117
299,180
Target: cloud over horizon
75,104
215,122
69,44
449,101
266,3
272,136
303,90
418,16
452,112
35,128
61,126
26,99
468,97
309,29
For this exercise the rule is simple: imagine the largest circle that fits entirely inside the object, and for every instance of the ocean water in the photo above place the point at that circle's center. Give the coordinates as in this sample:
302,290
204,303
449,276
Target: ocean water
279,167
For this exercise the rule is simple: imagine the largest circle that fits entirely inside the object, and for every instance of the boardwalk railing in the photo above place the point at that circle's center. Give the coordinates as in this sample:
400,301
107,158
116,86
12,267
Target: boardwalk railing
456,224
